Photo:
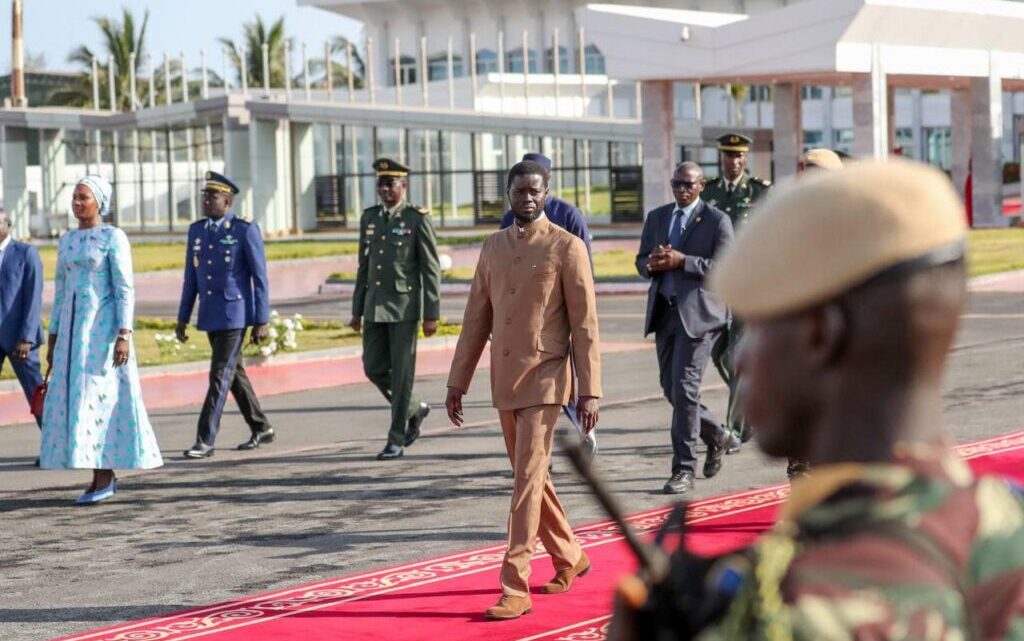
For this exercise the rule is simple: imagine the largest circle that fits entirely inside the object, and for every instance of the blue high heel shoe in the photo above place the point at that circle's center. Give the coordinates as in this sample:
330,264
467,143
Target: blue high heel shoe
91,498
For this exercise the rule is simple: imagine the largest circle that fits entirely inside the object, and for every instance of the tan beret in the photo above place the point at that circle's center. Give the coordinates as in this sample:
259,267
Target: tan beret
823,159
825,232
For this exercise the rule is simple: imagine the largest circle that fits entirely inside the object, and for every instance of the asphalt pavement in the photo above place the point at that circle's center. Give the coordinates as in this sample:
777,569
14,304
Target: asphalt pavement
316,504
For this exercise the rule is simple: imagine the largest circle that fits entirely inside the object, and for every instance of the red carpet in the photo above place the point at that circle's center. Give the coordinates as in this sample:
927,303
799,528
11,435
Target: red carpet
443,598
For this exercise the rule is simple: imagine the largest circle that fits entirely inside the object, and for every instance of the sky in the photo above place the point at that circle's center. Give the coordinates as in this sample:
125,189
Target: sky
54,27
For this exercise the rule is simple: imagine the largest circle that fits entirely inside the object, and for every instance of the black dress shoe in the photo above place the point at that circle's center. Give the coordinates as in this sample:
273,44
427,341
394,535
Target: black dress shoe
735,444
680,483
199,450
390,452
257,439
716,452
412,430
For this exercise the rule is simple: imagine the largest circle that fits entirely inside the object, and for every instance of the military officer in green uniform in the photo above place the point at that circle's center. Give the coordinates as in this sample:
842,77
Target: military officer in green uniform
397,285
734,192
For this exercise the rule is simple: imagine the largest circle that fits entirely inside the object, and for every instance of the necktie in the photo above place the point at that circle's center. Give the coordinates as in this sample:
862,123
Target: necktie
675,232
729,188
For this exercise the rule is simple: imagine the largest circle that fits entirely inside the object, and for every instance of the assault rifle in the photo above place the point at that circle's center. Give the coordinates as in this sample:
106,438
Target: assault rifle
676,593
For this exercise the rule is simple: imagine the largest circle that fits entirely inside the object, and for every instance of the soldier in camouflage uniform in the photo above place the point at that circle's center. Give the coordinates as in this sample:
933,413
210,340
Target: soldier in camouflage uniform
847,335
397,285
734,192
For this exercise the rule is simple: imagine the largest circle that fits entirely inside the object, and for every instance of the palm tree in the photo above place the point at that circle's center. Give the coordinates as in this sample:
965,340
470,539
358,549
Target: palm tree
739,93
340,70
120,40
254,35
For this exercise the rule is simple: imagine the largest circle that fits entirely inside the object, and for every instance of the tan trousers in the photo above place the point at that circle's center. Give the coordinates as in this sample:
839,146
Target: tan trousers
535,509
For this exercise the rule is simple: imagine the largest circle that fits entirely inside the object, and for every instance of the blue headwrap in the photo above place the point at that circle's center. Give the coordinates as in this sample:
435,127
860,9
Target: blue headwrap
101,190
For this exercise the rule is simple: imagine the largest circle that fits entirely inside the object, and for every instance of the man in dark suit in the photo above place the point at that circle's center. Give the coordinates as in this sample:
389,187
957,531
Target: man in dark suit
226,268
569,218
21,295
677,250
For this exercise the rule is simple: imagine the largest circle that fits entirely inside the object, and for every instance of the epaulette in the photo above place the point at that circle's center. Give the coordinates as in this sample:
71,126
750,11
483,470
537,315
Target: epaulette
761,181
201,221
422,210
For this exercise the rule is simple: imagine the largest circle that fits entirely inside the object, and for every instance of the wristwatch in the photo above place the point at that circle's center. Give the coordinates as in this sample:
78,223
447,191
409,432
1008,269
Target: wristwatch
124,337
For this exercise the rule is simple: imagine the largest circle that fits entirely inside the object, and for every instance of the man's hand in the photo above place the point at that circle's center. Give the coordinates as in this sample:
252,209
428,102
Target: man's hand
357,324
181,332
453,403
21,350
587,413
664,258
429,328
259,333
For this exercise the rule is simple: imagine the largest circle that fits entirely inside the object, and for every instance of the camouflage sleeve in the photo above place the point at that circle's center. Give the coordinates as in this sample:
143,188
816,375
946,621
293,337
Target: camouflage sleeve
996,562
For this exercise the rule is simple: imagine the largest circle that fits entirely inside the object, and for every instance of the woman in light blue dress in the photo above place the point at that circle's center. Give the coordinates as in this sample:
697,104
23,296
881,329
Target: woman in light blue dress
94,417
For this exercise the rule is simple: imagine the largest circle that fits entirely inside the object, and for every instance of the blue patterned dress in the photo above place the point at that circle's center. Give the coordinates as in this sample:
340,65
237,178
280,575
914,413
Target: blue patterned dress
94,417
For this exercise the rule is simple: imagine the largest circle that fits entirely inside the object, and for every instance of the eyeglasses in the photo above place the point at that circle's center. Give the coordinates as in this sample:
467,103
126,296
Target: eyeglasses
685,185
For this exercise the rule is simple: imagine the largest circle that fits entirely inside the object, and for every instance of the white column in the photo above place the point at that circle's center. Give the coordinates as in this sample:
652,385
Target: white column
304,187
237,164
871,112
986,151
960,137
52,159
14,159
658,123
270,163
787,130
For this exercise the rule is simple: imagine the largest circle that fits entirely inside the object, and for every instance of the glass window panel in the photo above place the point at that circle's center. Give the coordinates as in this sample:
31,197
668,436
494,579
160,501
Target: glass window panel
486,61
843,140
437,67
563,60
593,60
625,154
391,144
492,151
322,149
514,60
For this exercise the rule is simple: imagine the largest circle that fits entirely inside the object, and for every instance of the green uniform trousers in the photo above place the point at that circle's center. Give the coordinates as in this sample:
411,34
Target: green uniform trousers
389,360
723,353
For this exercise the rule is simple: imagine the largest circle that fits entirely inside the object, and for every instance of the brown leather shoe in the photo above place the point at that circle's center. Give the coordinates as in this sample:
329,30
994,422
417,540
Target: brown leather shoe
509,607
563,580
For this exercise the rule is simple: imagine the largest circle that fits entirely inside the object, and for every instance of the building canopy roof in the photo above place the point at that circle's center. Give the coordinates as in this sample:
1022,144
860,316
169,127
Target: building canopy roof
922,43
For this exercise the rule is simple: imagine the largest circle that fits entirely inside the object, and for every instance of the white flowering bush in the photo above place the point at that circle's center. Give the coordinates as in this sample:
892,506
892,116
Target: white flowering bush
282,334
167,344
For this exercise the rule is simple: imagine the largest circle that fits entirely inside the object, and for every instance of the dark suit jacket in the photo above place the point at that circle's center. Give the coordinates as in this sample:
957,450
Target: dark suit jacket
21,295
708,231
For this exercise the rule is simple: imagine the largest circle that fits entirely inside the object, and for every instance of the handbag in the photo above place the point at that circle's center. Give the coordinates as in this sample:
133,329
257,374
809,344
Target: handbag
39,396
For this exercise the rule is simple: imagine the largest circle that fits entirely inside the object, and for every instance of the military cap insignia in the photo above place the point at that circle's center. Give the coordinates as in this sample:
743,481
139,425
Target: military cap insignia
385,167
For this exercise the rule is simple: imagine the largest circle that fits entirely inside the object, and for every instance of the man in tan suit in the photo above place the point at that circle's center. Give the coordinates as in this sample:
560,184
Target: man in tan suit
533,295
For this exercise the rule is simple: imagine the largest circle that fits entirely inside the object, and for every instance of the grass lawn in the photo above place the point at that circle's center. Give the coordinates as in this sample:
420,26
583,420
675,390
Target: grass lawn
991,251
151,257
317,335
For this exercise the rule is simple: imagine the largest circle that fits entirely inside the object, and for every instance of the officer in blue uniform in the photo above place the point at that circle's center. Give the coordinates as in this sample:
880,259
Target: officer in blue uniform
569,218
226,268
